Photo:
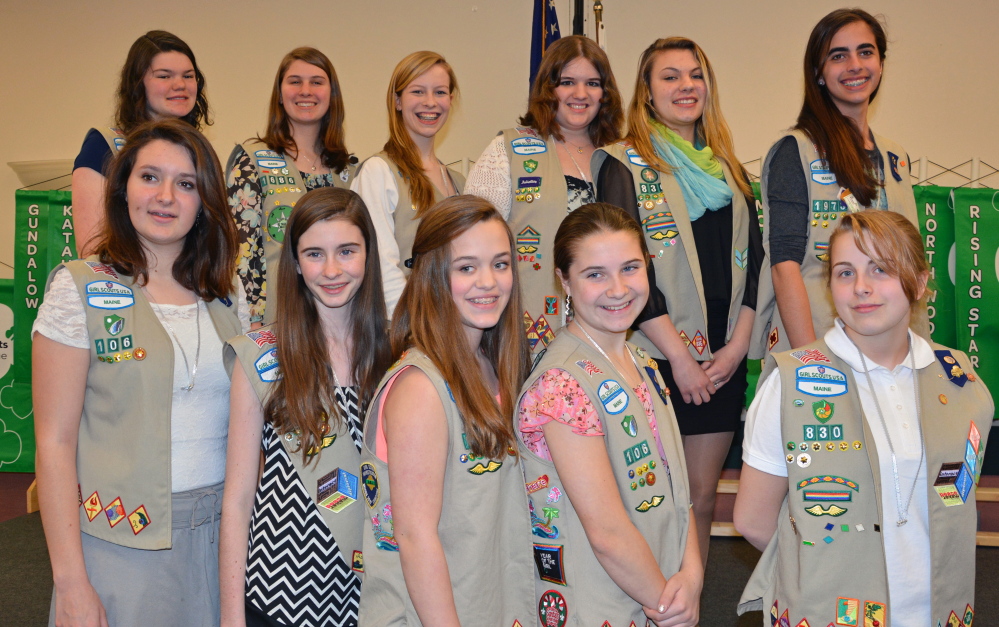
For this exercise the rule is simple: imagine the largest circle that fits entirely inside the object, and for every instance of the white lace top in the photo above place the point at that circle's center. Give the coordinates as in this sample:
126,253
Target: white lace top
376,186
490,177
199,419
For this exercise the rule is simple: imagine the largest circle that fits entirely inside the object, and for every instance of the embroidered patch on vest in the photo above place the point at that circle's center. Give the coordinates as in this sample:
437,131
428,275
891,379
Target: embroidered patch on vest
646,505
803,623
528,146
384,539
951,368
553,495
357,562
784,620
810,355
829,479
530,165
589,367
773,613
822,433
262,338
102,268
772,338
548,559
369,481
539,527
874,614
267,366
552,610
637,452
551,305
139,519
893,163
93,506
109,295
537,485
336,490
821,173
741,258
826,495
630,426
660,226
832,510
612,396
481,469
820,381
277,221
539,331
635,158
115,512
823,411
847,612
969,615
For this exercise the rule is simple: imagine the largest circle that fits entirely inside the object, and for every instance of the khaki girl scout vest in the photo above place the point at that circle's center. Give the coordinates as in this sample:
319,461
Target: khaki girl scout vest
667,232
826,207
826,561
282,185
484,519
571,585
114,137
404,215
540,198
256,352
123,455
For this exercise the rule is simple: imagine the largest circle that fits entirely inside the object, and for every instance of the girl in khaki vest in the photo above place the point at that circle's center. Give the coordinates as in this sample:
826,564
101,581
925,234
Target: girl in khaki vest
446,544
605,468
678,167
303,149
130,394
829,163
406,178
538,172
159,80
862,453
331,347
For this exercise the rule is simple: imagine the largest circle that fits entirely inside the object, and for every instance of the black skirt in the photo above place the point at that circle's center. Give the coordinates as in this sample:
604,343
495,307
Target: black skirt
722,413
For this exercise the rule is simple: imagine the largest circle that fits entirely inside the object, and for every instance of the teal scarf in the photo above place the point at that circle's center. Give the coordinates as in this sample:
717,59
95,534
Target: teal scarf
701,179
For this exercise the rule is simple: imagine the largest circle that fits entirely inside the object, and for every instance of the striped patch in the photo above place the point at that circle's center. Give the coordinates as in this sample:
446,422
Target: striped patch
659,222
823,495
528,237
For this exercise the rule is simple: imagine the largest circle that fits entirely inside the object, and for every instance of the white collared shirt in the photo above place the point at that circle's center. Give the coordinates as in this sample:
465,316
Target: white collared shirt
907,548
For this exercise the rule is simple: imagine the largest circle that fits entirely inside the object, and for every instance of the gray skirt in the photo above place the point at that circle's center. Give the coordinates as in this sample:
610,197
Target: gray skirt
176,586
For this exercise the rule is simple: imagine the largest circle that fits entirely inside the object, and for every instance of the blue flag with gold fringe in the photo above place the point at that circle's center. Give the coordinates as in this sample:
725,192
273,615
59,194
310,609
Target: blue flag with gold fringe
544,32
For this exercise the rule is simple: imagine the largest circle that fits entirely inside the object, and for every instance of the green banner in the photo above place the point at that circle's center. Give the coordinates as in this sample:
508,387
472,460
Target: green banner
935,208
976,234
43,238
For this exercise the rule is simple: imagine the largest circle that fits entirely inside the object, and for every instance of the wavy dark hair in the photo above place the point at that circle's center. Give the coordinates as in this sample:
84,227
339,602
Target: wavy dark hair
331,136
303,399
132,108
427,318
836,136
207,263
543,103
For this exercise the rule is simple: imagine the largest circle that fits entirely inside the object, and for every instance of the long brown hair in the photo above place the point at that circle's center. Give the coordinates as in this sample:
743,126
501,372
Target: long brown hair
132,108
303,399
711,129
427,318
836,136
400,146
278,136
543,103
207,263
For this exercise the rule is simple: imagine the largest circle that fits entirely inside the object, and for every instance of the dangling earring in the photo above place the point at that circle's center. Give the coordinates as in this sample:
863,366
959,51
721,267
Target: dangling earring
822,82
568,308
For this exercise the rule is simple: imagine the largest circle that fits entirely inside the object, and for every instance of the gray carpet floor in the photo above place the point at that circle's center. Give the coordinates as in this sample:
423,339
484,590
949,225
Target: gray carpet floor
26,579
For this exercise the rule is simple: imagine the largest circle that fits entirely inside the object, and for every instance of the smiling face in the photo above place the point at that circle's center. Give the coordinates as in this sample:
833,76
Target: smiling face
171,86
425,103
163,199
305,93
607,281
481,276
872,303
330,257
679,91
579,92
852,68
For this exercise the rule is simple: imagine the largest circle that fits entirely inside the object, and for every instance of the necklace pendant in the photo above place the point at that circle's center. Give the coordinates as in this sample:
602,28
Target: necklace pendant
901,522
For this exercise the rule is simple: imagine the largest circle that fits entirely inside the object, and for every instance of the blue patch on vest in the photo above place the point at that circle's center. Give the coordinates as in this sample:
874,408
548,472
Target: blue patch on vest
820,381
528,146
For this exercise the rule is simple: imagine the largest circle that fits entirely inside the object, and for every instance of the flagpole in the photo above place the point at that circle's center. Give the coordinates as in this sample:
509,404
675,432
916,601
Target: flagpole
598,12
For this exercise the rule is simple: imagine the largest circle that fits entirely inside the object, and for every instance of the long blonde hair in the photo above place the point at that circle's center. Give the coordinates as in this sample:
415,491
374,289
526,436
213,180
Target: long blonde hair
400,146
711,129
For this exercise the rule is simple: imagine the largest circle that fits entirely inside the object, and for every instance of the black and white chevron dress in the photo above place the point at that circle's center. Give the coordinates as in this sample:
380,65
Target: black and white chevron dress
295,572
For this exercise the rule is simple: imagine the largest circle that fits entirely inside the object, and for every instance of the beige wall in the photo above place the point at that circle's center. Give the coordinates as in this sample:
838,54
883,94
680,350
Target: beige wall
60,60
